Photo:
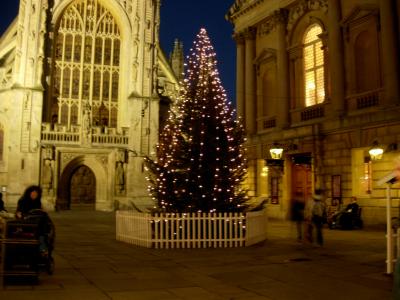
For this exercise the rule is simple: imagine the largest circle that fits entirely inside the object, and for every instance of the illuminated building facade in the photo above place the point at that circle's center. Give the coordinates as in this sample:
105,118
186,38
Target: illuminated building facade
84,90
320,78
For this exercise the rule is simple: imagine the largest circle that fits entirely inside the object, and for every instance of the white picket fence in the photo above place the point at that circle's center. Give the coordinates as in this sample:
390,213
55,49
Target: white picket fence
191,230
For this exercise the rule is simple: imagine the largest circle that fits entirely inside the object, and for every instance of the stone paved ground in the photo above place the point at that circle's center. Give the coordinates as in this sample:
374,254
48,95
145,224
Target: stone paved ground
90,264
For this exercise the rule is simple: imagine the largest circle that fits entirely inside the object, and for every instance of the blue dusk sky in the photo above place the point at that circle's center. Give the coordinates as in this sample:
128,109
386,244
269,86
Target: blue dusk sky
182,19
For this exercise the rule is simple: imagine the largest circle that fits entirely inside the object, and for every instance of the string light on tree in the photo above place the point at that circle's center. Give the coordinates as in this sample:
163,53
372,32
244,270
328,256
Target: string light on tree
200,156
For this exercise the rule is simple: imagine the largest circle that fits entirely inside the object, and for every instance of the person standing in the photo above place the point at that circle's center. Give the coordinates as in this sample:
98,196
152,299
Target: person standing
298,214
318,215
308,224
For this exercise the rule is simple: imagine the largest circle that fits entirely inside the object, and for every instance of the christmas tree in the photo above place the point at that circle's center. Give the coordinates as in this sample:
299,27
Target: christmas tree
200,162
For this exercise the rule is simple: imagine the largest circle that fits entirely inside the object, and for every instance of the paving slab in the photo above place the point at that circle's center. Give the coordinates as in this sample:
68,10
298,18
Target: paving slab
91,264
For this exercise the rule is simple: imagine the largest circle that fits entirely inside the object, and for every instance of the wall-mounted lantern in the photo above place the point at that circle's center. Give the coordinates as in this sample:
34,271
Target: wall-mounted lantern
376,152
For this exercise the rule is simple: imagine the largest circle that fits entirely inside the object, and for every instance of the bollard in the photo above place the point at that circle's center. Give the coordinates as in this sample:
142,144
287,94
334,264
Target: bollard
396,281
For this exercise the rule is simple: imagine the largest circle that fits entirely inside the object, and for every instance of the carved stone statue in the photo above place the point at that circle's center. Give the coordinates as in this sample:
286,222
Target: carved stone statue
48,153
47,174
86,123
120,177
121,154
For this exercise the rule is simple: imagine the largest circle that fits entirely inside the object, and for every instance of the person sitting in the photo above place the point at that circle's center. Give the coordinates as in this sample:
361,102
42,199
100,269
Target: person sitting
29,202
348,217
31,199
2,208
3,211
353,206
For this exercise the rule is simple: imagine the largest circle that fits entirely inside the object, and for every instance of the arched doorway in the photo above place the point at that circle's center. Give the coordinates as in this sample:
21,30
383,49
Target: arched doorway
84,181
82,189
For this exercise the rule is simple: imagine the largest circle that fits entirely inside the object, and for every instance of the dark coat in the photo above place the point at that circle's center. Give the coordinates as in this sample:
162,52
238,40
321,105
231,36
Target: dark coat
26,204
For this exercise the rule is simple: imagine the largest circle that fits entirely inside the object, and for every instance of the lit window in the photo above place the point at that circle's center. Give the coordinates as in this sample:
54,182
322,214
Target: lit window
86,64
367,178
314,66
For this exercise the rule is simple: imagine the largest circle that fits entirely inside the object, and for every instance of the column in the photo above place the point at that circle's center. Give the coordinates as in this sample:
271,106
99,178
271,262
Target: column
336,57
240,67
296,75
259,100
389,52
283,69
250,81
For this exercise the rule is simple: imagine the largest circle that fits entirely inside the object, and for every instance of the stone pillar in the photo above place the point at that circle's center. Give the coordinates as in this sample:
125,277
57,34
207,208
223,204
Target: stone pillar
336,57
389,52
240,71
283,69
250,81
260,100
297,83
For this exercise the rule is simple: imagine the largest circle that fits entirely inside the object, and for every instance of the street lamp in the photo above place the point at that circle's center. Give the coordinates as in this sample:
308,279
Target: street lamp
276,151
376,152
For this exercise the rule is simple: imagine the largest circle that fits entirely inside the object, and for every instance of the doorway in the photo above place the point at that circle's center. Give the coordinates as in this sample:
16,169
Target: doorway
301,179
82,189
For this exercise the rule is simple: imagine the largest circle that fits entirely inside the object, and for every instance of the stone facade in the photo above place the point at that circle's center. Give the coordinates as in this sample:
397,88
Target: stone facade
83,88
356,50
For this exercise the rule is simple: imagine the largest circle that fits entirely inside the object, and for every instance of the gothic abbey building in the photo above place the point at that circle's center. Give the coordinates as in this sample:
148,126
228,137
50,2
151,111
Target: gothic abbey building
84,90
320,79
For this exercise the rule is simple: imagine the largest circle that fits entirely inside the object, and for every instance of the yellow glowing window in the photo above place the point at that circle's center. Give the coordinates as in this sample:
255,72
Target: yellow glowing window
314,66
366,180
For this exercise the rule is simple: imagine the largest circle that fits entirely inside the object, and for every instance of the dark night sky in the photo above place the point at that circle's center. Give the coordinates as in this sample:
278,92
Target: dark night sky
182,19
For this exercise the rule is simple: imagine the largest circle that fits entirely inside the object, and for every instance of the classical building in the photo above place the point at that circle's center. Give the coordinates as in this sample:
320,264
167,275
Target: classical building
320,79
84,87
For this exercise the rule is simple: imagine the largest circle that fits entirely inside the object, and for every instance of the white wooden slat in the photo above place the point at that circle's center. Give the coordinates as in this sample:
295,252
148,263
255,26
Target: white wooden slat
185,228
198,230
203,229
209,231
167,237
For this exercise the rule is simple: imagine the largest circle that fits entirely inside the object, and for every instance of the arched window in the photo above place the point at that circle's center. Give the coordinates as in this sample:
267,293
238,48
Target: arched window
313,66
86,64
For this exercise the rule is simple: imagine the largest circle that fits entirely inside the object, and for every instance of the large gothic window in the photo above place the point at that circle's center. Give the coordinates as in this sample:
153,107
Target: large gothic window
86,65
313,66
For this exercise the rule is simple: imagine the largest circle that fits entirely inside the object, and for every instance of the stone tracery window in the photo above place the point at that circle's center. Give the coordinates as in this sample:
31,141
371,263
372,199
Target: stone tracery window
86,65
313,66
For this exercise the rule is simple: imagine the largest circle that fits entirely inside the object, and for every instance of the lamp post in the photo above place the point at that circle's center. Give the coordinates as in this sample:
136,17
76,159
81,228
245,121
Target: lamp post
276,151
